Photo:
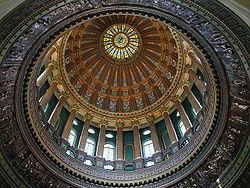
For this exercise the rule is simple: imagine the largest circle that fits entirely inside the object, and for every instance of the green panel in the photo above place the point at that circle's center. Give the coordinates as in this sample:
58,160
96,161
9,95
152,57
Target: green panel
166,140
94,136
129,168
200,75
62,120
163,135
189,110
128,144
129,152
128,137
78,129
197,93
43,89
51,106
176,121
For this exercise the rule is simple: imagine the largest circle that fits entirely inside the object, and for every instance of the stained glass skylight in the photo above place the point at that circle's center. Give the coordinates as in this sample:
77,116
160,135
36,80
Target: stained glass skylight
121,41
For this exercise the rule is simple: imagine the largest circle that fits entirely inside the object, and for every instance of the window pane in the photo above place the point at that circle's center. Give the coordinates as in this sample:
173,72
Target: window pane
182,128
148,149
149,163
108,167
72,137
89,148
88,162
109,152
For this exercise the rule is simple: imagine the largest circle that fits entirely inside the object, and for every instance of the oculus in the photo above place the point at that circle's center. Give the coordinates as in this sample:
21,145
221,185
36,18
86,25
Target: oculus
121,41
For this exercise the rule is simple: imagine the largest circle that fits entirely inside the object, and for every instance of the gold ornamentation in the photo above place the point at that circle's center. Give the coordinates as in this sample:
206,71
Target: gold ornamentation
121,40
103,121
135,123
164,109
74,107
88,116
64,94
119,123
150,117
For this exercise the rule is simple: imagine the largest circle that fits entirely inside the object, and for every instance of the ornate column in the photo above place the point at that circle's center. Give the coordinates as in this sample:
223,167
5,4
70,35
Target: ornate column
47,96
154,135
69,122
48,55
191,97
84,135
44,76
101,139
137,140
197,81
183,114
194,57
119,140
56,112
170,127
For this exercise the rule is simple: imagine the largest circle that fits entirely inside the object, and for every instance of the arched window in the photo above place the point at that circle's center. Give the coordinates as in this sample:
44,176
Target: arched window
71,153
182,128
149,163
88,162
90,146
109,151
108,167
148,148
72,137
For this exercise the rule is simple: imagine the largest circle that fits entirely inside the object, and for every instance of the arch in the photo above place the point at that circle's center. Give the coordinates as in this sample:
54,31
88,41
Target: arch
149,163
129,167
71,153
108,167
88,162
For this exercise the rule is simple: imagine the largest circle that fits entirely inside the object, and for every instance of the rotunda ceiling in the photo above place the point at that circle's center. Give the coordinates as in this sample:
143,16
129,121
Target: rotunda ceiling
121,63
213,152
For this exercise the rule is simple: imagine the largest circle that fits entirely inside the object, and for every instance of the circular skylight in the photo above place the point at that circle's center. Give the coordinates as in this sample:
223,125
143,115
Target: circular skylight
121,41
109,135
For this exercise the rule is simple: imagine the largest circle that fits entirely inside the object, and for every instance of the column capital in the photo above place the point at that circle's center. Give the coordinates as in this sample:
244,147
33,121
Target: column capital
56,46
189,50
88,116
164,109
185,83
53,63
74,107
64,94
56,79
119,123
175,98
150,117
190,69
178,101
135,122
103,121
